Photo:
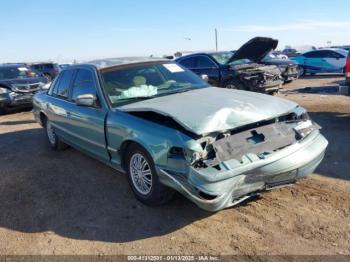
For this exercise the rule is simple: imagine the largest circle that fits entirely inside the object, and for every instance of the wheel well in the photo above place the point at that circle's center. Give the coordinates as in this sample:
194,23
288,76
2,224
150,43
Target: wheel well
43,118
3,86
124,148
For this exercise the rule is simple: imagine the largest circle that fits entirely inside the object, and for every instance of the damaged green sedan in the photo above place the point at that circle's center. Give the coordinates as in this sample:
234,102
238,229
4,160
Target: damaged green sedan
168,130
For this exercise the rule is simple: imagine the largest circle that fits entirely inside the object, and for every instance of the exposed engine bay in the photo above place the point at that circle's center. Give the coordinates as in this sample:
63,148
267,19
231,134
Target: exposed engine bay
260,139
259,78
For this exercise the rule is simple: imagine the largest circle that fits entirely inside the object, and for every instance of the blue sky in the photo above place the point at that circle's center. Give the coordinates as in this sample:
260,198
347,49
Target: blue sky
64,30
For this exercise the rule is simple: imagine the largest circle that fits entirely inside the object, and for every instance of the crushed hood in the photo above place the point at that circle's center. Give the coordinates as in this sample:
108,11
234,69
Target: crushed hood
207,110
255,49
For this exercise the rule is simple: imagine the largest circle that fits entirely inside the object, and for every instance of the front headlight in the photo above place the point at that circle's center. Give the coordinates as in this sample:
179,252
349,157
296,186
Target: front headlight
4,90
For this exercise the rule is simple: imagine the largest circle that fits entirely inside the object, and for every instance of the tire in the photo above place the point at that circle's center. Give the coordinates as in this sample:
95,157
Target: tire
147,188
53,140
234,84
301,71
3,110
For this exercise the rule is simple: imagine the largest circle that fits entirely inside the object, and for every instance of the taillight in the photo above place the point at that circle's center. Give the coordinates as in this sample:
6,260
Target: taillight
347,69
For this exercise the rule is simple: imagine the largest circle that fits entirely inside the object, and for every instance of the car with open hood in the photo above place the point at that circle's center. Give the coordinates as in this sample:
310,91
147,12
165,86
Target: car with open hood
240,69
289,68
18,84
169,130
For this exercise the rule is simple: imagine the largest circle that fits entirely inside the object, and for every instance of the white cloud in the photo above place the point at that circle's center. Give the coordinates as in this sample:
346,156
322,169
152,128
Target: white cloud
297,26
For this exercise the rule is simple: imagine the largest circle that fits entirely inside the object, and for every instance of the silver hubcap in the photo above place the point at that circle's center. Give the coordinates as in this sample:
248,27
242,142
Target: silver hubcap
50,133
141,174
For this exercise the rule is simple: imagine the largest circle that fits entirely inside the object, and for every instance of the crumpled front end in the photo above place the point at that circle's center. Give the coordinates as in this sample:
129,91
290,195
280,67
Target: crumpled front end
290,73
260,78
239,164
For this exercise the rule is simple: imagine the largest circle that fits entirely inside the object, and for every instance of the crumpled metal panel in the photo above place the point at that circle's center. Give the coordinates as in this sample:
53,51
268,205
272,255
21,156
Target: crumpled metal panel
207,110
258,140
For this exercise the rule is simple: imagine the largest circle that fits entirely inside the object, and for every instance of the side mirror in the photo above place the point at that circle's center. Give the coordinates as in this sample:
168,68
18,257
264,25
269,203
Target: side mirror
205,78
86,100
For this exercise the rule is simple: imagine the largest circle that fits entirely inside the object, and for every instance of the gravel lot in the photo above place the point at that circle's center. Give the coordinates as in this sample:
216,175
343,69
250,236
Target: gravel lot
67,203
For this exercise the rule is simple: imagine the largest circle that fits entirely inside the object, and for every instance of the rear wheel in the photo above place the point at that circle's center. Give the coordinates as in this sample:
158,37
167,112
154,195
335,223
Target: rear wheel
52,138
143,178
234,84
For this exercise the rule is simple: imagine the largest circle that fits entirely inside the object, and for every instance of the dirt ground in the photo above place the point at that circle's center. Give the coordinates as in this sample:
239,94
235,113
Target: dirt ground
67,203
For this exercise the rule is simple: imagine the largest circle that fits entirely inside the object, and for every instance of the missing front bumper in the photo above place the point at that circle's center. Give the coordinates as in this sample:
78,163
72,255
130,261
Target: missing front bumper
231,186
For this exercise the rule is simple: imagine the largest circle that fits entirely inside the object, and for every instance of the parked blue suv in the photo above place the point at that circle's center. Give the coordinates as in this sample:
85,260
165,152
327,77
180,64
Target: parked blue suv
18,84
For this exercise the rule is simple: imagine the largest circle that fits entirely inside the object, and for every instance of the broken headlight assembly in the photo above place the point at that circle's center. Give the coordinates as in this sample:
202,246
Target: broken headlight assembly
4,90
184,153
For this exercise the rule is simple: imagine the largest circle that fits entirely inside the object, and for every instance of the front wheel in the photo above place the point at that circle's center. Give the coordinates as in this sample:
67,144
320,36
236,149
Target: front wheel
143,178
234,84
52,138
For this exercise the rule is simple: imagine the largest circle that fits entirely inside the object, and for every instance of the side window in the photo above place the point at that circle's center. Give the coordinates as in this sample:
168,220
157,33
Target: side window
188,62
336,55
312,54
62,89
83,84
204,62
54,85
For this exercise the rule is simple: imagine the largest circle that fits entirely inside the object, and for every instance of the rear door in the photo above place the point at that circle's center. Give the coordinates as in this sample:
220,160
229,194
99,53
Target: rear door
319,61
58,103
87,124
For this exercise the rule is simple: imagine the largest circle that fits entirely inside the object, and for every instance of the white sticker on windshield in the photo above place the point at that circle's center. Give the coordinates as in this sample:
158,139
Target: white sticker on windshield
173,68
22,69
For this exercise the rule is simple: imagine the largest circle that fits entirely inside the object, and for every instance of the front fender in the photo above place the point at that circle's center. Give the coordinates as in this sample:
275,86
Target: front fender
122,127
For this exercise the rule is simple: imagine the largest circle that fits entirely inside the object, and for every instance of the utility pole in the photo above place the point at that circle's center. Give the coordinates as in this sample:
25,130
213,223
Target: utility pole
216,39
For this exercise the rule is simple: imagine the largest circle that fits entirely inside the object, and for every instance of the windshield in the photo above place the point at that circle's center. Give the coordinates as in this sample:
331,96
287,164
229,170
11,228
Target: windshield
148,81
14,72
222,57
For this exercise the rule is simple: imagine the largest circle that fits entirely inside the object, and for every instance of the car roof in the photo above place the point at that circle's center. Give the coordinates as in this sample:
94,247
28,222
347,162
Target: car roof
43,63
112,62
329,49
13,65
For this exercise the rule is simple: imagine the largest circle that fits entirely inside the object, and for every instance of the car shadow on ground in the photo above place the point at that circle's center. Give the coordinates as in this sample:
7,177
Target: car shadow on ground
13,123
335,127
76,196
321,76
